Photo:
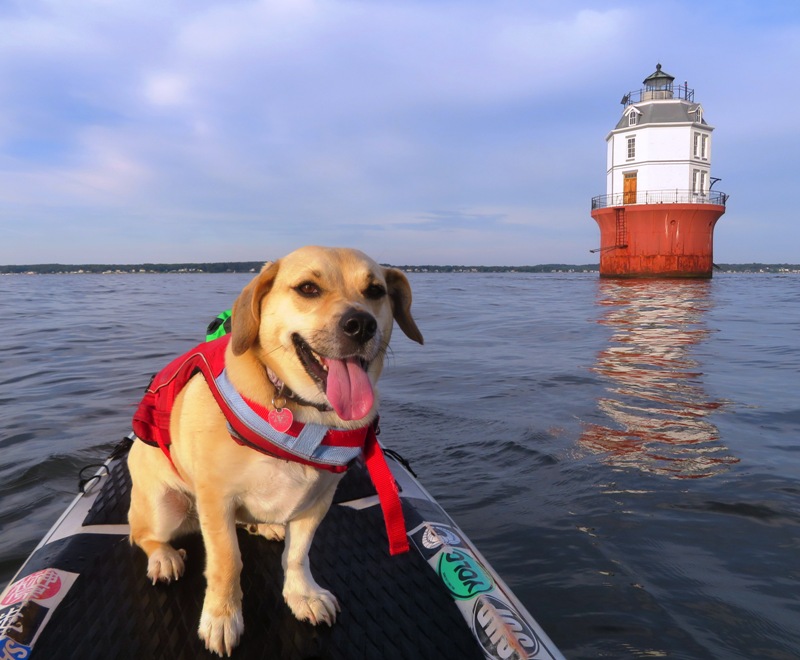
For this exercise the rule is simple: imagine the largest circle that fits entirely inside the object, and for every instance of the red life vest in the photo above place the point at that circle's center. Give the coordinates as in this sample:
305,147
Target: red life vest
310,444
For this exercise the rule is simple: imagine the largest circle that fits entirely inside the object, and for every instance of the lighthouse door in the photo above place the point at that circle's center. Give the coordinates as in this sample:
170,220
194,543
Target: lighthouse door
629,188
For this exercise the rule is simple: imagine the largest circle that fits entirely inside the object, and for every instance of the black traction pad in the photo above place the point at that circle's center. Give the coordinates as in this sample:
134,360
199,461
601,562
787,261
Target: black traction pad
392,607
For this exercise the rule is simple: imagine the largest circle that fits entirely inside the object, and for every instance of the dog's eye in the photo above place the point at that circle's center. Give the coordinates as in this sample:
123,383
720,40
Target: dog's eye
308,290
374,292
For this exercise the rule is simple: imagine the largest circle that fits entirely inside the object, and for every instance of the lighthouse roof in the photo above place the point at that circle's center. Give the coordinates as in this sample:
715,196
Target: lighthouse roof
662,112
658,79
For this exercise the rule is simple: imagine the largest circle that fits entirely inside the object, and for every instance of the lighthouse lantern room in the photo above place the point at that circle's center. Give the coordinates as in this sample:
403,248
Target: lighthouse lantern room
658,215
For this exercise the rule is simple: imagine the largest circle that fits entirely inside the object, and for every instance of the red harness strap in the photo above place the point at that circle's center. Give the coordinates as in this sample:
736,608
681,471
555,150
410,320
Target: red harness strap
152,418
388,494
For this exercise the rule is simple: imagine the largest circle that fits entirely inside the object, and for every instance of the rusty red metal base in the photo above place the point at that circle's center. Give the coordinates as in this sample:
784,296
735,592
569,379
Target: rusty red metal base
657,240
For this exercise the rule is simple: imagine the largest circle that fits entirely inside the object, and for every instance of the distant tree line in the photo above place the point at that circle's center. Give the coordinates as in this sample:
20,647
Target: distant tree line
255,266
541,268
59,269
759,268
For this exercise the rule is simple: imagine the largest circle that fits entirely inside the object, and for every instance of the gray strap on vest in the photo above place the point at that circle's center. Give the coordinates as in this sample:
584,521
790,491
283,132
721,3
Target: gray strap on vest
307,445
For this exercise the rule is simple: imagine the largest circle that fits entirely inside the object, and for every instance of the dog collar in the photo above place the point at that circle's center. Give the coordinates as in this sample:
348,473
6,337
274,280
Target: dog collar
282,391
313,444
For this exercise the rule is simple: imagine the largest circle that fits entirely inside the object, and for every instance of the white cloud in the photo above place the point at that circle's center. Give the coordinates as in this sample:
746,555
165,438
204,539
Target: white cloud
165,89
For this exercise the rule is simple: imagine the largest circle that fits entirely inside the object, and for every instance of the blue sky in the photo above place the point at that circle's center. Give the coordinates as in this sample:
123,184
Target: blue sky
431,131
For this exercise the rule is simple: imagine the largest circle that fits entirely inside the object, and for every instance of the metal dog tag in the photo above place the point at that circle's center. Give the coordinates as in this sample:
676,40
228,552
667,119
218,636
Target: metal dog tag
280,419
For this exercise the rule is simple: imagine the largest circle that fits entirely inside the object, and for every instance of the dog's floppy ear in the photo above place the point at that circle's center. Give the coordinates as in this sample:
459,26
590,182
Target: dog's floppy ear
400,294
246,312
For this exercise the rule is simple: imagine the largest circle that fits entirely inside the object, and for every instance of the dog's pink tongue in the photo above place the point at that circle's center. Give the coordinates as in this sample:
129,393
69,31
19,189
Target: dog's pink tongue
349,389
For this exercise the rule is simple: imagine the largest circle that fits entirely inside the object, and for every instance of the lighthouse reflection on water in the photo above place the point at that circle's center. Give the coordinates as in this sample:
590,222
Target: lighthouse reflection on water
656,404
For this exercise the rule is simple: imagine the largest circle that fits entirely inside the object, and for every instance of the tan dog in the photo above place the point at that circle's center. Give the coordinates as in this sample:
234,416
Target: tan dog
319,321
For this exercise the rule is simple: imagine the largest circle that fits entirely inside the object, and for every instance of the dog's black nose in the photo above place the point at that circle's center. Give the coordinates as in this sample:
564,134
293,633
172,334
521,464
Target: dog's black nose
359,326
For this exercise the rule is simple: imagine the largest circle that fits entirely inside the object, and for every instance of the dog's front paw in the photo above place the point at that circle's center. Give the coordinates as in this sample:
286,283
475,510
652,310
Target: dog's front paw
221,628
316,607
166,564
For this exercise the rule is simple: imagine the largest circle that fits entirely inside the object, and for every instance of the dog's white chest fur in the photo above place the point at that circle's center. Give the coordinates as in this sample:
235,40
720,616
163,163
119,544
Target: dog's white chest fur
276,491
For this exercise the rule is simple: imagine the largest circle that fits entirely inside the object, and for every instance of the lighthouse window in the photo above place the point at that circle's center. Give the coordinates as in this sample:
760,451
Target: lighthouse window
631,148
699,182
701,146
632,119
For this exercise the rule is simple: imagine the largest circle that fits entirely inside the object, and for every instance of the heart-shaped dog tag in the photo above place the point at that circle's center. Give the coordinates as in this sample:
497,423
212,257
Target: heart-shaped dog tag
280,419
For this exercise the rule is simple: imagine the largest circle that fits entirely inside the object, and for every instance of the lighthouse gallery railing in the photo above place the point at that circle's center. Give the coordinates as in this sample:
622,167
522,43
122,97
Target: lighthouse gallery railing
659,197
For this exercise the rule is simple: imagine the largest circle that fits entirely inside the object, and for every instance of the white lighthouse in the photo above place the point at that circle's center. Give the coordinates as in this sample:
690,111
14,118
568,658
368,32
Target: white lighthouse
658,214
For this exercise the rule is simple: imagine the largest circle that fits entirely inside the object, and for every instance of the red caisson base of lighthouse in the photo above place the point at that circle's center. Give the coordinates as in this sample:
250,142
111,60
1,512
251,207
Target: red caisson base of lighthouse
657,240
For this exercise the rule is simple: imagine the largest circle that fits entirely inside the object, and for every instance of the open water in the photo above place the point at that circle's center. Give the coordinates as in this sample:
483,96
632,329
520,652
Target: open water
626,454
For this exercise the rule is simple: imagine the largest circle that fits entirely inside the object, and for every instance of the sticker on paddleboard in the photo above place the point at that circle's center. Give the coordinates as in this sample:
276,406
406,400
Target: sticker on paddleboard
431,538
463,575
27,605
436,536
502,631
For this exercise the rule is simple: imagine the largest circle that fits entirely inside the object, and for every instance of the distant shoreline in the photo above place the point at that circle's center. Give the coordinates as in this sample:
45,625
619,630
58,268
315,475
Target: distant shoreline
255,266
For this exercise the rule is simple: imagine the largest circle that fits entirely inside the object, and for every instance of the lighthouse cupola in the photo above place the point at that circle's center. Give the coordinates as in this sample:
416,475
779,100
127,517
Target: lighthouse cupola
658,85
658,214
